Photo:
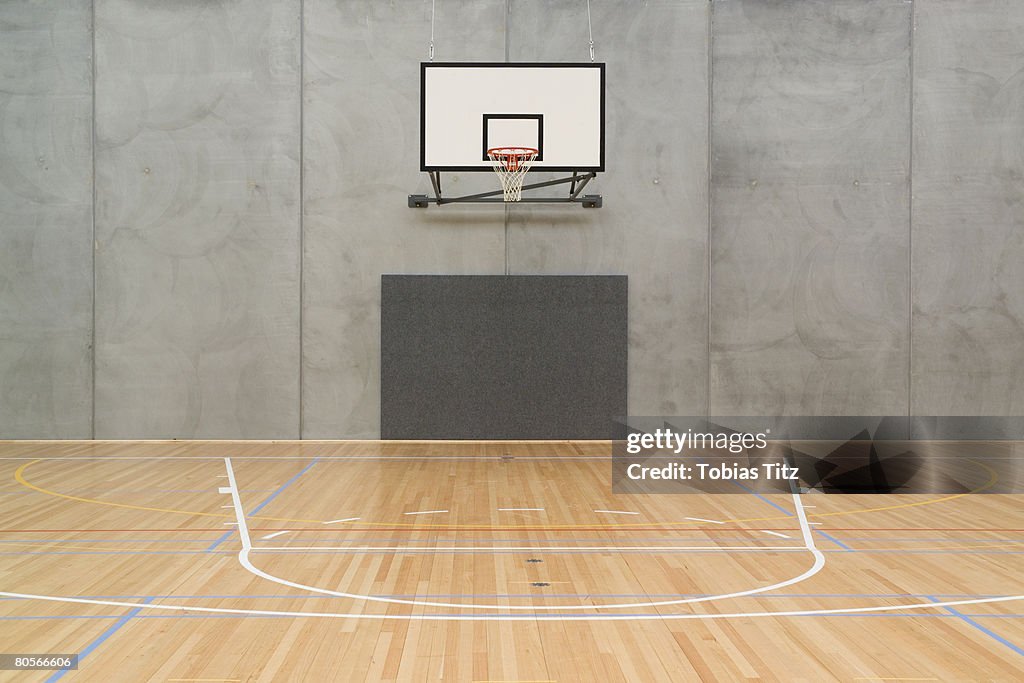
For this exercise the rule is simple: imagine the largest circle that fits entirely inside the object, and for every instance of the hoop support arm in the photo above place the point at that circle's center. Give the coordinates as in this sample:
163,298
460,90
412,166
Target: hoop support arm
578,182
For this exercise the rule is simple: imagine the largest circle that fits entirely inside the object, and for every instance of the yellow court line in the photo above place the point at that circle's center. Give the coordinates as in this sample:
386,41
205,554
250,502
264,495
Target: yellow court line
20,478
19,475
993,477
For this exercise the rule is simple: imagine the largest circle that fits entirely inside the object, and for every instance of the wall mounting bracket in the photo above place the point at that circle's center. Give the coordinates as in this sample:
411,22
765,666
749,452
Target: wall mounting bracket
577,181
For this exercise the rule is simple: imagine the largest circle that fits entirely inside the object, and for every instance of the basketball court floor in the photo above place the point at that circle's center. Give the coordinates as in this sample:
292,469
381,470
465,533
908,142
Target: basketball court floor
484,561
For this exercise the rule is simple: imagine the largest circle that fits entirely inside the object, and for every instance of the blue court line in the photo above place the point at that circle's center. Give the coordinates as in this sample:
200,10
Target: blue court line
758,495
833,539
100,640
790,514
213,546
988,632
546,614
283,486
273,616
272,496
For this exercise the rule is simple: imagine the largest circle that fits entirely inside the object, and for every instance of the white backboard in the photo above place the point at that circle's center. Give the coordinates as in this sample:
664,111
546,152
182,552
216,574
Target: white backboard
467,108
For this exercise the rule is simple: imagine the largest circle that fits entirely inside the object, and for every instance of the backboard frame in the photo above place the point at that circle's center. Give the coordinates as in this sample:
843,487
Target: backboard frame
434,168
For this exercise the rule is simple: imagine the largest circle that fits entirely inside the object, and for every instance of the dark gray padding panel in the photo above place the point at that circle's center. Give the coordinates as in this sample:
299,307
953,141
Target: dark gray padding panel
502,357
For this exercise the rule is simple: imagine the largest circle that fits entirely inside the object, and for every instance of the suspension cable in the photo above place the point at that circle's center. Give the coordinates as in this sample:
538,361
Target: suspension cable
430,54
590,28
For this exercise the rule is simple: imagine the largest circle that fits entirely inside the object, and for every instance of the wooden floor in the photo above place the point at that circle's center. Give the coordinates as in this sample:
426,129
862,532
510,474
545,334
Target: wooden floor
363,561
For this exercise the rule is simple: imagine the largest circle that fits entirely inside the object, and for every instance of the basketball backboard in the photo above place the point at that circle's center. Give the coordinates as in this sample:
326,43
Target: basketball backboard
467,108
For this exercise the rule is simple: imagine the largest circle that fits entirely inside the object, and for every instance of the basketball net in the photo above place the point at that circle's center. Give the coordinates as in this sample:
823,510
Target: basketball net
511,164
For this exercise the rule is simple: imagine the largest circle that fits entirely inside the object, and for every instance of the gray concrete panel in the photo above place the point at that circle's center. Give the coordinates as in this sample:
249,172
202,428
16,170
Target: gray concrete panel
810,207
968,225
197,219
654,224
361,159
45,219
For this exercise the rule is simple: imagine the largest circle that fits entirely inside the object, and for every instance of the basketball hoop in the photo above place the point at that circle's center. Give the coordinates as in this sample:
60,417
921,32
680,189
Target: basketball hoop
511,165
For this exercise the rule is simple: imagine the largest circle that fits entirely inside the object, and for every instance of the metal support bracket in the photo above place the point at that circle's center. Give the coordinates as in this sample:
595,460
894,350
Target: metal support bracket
577,181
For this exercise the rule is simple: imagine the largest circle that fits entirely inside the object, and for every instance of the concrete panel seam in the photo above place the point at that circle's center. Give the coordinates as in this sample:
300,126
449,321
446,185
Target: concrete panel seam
910,222
707,280
92,241
302,198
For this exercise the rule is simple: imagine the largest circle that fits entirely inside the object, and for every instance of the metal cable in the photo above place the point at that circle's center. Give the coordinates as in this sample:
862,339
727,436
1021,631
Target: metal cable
430,54
590,28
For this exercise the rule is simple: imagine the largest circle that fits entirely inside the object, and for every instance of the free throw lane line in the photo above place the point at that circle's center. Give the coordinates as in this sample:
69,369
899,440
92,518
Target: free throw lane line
246,549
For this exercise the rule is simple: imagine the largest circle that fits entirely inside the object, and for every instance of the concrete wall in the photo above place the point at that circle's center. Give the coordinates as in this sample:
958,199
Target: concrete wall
46,270
818,203
197,219
968,225
810,208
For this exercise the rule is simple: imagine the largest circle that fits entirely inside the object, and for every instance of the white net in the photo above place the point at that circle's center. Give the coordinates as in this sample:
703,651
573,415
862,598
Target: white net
511,164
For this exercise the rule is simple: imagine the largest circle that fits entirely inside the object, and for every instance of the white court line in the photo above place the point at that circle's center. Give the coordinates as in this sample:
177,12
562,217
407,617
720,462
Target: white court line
246,550
520,509
475,548
511,617
275,534
776,533
617,512
335,521
698,519
424,512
